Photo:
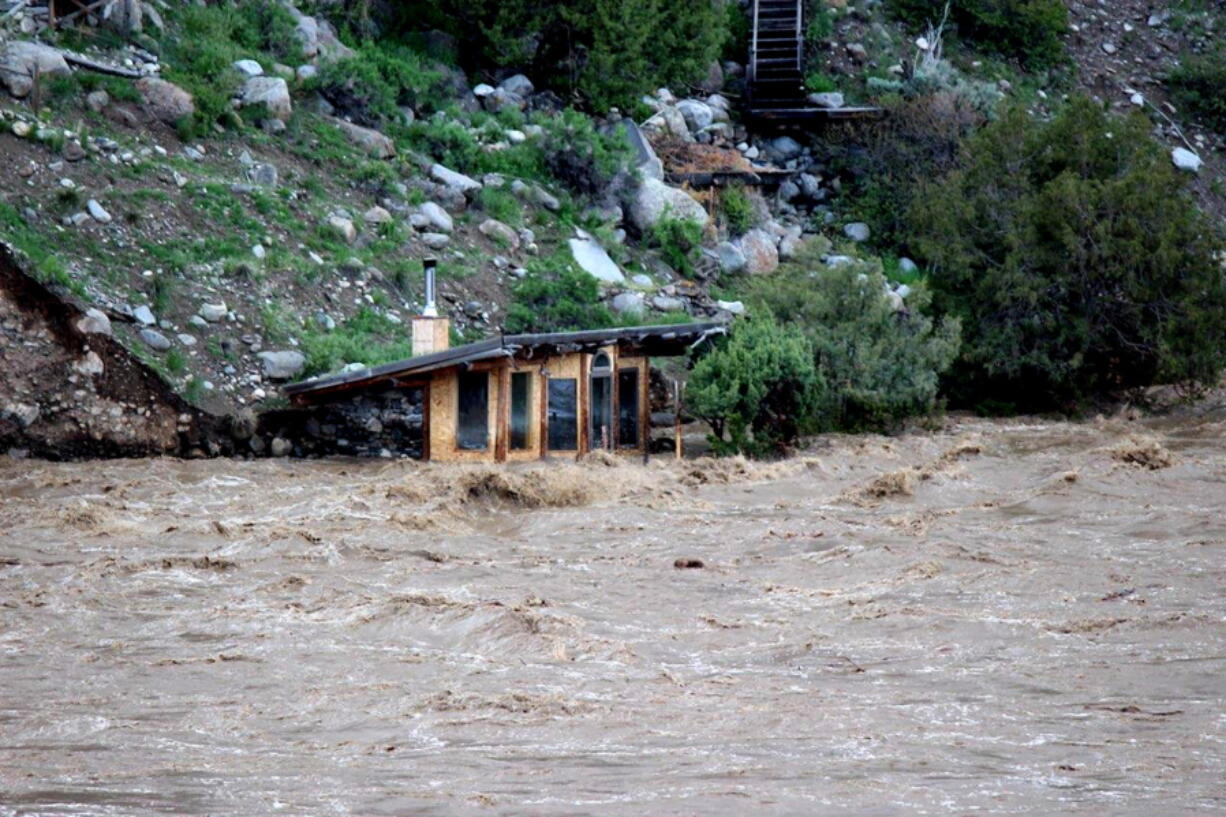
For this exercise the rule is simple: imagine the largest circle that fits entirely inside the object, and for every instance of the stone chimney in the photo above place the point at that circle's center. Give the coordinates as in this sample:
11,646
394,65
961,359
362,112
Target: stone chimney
431,333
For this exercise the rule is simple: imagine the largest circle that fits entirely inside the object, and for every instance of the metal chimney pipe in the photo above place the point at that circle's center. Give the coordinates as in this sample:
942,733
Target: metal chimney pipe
431,309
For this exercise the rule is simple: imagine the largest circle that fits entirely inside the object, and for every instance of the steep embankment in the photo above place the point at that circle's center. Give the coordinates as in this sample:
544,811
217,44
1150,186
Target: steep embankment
72,390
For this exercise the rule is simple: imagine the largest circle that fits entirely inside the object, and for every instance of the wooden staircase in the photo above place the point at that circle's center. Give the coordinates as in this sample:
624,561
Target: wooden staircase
776,58
775,91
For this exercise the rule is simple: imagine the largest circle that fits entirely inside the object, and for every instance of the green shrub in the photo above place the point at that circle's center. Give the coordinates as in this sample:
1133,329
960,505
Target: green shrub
556,296
1027,30
579,156
918,140
757,388
1198,85
881,365
1076,260
370,86
367,337
607,51
678,240
738,210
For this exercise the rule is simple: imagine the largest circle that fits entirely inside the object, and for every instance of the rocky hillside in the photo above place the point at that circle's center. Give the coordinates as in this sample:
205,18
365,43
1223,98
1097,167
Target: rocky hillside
249,209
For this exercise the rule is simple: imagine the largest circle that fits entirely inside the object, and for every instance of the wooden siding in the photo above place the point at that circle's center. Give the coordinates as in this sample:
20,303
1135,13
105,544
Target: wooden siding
442,403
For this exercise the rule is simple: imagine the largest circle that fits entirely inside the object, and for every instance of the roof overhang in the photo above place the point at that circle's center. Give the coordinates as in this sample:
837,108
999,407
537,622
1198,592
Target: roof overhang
656,341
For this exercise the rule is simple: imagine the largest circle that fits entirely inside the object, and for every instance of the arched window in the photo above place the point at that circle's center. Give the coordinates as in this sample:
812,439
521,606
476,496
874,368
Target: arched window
601,364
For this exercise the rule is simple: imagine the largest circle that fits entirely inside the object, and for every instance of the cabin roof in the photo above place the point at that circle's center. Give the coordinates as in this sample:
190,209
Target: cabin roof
672,339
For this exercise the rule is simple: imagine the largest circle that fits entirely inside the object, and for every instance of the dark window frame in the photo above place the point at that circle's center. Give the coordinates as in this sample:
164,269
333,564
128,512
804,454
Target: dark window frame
569,440
631,374
467,436
521,437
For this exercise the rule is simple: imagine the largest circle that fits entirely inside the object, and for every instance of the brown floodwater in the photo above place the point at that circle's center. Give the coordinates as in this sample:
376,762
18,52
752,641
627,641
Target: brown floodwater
1001,617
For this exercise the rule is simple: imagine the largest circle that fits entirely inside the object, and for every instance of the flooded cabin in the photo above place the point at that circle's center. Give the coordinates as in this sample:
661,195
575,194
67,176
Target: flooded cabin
515,397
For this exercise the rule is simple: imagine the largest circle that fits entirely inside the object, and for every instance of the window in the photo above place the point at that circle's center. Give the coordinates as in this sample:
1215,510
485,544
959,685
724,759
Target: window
563,416
521,409
628,408
472,421
602,412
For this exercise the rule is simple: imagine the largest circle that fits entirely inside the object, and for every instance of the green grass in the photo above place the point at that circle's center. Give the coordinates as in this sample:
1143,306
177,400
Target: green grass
45,265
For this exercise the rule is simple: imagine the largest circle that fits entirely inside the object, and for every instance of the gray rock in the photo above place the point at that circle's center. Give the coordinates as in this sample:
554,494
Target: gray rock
482,90
437,217
154,339
453,180
789,246
282,365
280,447
165,100
249,68
73,151
502,100
517,84
271,92
377,144
435,241
735,307
377,215
186,339
97,101
1186,160
144,315
783,148
838,260
668,303
697,115
213,312
789,191
98,212
263,174
761,252
810,187
628,303
654,199
594,260
639,279
857,231
544,198
731,259
306,73
907,265
830,99
343,227
497,231
21,62
94,322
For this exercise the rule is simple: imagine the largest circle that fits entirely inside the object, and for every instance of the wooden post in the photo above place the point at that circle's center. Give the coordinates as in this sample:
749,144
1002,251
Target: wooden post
502,429
425,422
543,408
677,445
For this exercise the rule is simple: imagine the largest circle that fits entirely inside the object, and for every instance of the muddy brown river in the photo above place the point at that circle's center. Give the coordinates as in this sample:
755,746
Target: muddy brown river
1002,617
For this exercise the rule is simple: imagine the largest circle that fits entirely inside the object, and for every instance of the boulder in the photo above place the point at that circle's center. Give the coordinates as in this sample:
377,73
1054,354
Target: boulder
734,307
435,241
783,149
517,84
654,199
857,231
377,144
628,303
377,215
503,100
1185,159
761,254
436,217
144,316
212,312
668,121
271,92
830,99
592,259
98,212
343,227
164,100
668,303
453,180
317,37
249,68
94,322
154,339
21,62
908,266
698,115
282,365
731,259
496,231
